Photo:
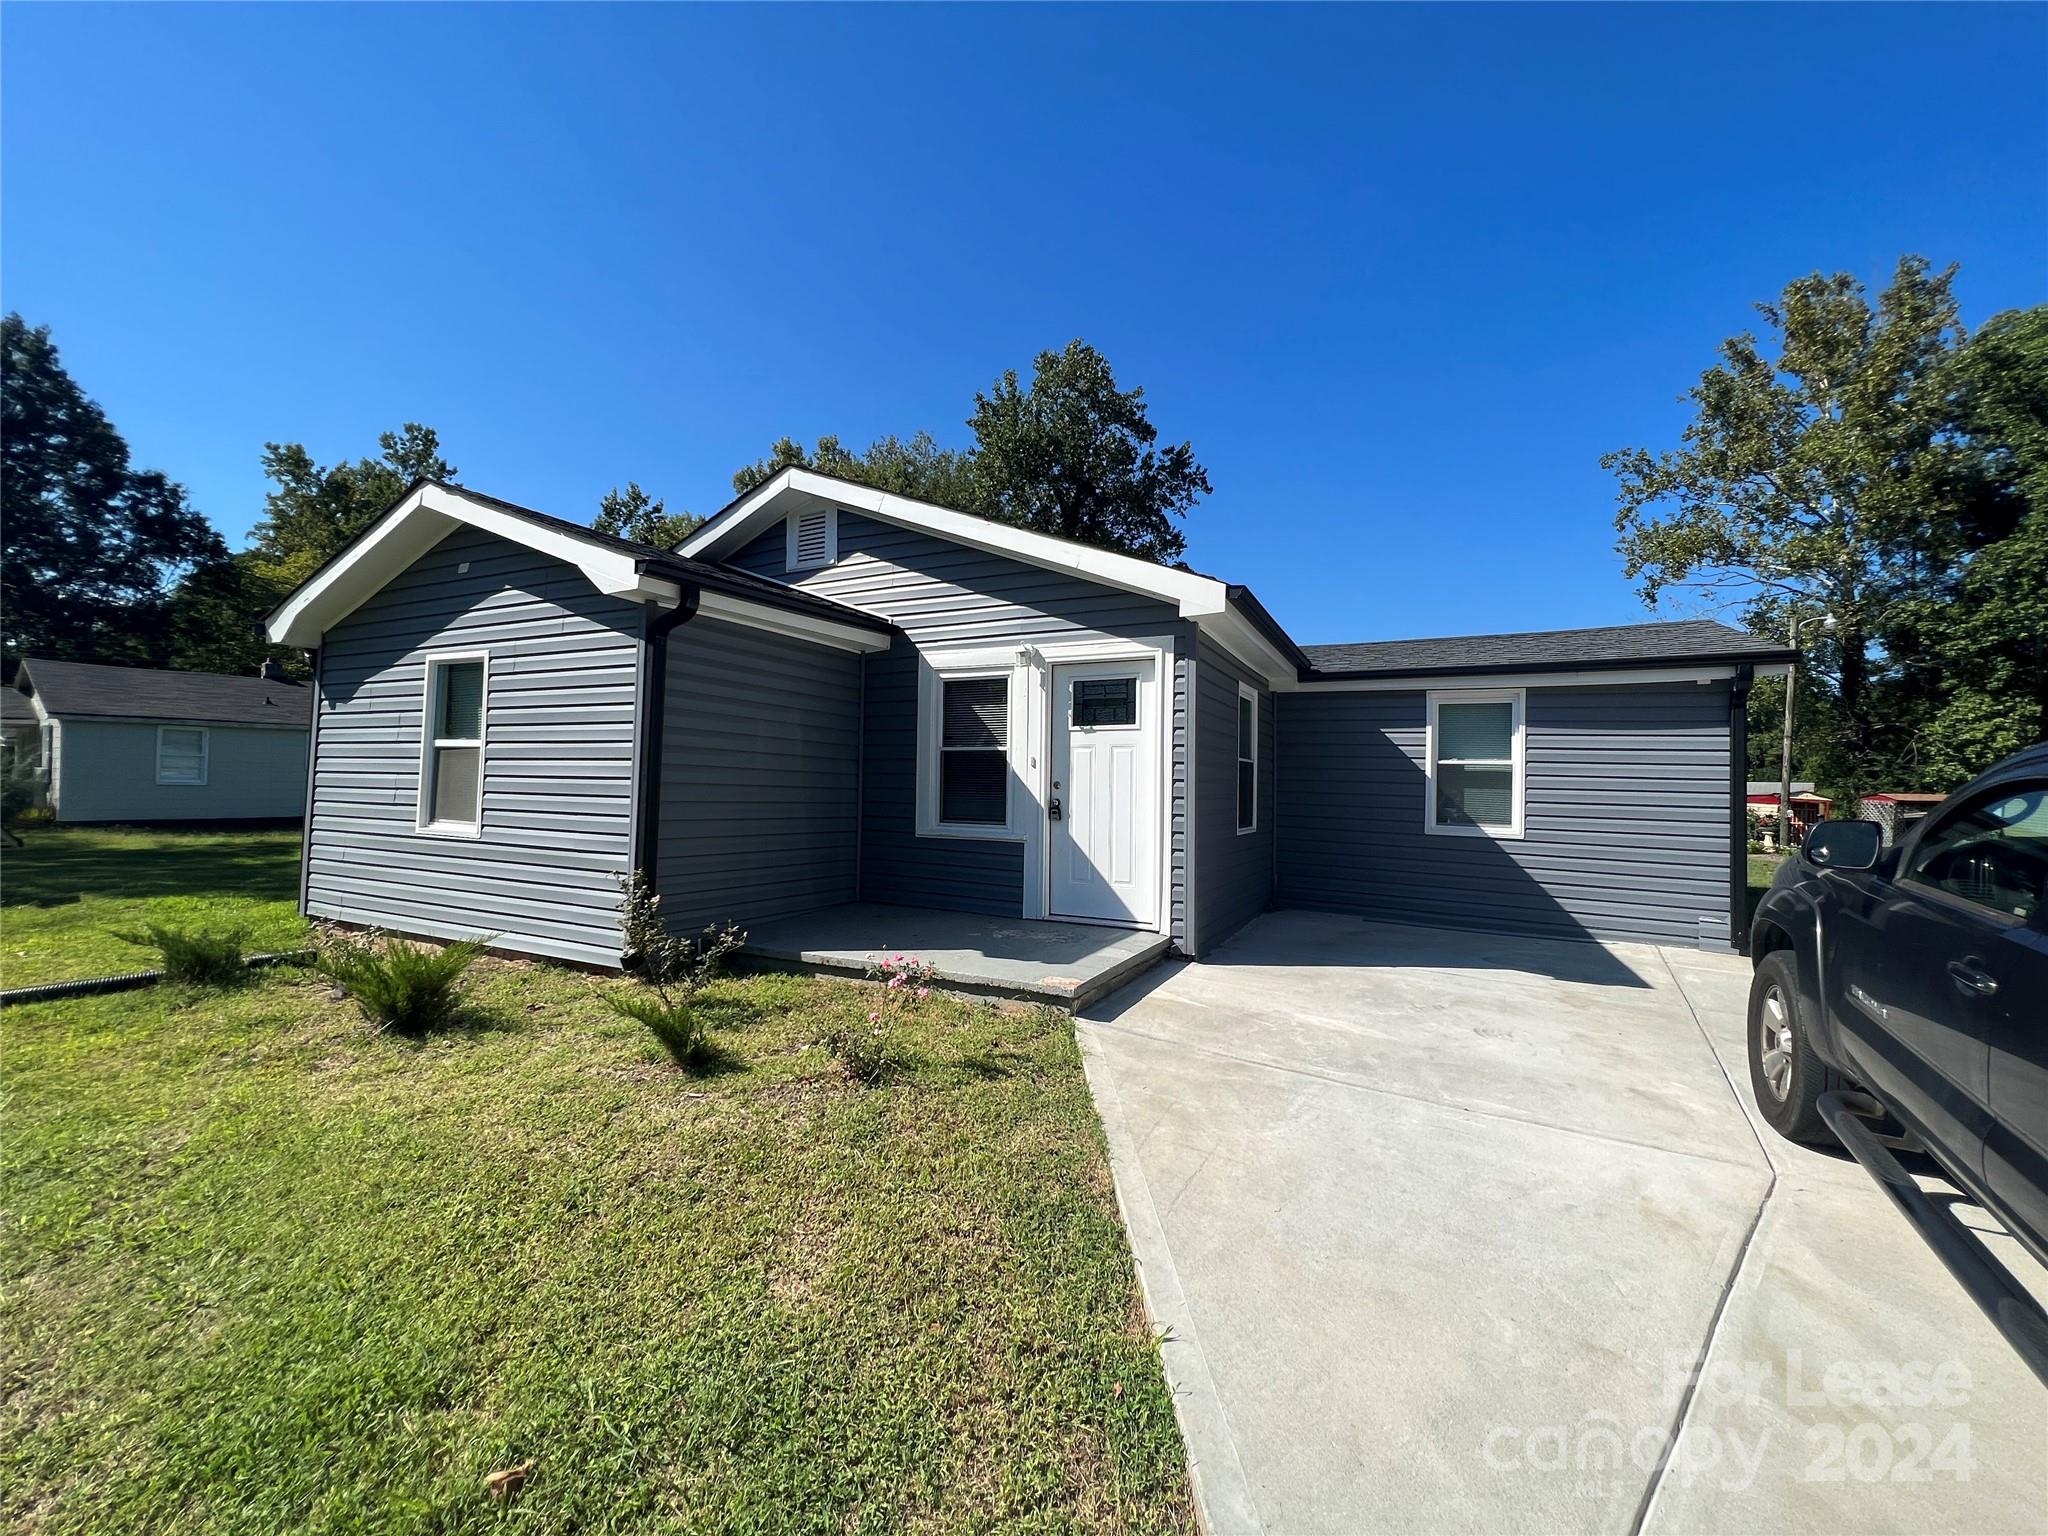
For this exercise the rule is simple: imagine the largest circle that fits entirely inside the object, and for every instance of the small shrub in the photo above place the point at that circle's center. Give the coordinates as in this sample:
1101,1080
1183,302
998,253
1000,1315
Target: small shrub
663,960
869,1051
675,1025
196,958
673,968
400,986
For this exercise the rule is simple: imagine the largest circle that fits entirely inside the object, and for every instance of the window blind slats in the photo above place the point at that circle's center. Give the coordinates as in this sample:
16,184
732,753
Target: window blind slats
977,712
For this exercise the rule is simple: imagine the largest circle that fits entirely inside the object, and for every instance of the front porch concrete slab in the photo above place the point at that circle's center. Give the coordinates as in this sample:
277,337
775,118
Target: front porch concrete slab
1066,965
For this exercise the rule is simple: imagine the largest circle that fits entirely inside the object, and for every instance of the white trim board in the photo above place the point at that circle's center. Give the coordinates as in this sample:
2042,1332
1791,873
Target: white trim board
416,525
1203,599
1518,825
784,621
1030,664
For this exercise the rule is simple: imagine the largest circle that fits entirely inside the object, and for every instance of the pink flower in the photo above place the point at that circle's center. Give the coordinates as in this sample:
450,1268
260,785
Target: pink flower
924,992
873,1017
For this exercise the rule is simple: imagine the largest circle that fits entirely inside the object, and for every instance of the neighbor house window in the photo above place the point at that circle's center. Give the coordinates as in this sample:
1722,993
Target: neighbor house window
1475,764
1247,759
180,754
974,751
452,771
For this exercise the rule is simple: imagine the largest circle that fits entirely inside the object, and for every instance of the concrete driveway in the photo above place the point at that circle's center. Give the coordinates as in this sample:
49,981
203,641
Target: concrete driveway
1449,1232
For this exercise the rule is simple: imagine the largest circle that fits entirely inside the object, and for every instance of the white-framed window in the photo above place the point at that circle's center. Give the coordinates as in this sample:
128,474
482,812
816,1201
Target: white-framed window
1476,763
968,720
1247,758
181,754
812,537
451,801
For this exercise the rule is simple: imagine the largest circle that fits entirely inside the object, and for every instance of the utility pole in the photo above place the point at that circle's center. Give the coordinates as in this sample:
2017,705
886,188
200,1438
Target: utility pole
1785,746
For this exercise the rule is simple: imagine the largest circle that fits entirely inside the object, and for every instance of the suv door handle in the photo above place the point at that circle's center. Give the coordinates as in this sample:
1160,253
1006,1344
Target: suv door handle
1971,980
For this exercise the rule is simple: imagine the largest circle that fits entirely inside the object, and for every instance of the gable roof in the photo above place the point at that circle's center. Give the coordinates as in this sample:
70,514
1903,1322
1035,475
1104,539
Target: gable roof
15,708
1230,613
1673,642
431,509
86,690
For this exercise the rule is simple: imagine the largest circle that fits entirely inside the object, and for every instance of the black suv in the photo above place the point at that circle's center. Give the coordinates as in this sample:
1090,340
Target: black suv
1919,976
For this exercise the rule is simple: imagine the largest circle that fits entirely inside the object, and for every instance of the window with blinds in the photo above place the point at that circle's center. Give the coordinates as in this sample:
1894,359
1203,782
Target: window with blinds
974,751
181,754
1474,782
453,794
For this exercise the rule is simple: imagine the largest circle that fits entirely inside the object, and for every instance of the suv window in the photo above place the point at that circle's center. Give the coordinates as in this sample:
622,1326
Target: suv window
1992,852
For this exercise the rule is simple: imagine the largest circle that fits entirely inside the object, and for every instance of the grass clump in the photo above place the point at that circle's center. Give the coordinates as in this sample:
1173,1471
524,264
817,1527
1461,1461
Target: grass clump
196,957
673,969
407,988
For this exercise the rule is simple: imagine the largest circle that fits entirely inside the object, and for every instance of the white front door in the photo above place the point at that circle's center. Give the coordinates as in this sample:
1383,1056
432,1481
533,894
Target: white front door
1105,784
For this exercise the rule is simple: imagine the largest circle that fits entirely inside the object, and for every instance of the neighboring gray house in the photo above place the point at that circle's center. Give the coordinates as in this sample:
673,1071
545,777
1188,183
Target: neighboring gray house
831,694
134,744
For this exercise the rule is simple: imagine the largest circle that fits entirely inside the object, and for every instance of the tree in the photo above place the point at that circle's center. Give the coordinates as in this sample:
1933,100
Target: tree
315,510
1805,476
1972,644
1073,455
633,514
311,514
1070,455
916,466
92,543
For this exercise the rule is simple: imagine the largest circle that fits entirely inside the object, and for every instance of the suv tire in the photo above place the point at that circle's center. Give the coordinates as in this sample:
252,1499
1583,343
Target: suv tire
1785,1076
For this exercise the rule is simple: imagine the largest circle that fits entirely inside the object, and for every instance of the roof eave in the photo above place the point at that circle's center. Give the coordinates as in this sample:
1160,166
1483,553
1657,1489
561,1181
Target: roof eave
1774,658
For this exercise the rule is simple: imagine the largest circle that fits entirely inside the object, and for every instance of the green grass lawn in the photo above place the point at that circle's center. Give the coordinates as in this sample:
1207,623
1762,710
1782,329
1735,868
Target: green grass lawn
1762,867
64,892
267,1270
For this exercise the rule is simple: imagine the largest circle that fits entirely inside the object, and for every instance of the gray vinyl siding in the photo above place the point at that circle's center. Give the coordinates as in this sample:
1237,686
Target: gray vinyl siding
942,595
1627,816
558,770
760,776
1236,868
105,770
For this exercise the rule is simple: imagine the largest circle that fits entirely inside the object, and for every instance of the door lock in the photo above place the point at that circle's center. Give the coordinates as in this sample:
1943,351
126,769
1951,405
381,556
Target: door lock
1052,809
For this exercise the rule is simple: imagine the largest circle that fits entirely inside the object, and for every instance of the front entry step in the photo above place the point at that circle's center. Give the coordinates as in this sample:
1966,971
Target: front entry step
1064,965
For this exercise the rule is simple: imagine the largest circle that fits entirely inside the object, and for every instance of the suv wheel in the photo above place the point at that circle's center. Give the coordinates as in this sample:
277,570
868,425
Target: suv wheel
1785,1075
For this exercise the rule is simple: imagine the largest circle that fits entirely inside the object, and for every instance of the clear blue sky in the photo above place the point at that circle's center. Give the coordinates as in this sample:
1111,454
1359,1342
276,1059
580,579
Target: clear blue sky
1402,275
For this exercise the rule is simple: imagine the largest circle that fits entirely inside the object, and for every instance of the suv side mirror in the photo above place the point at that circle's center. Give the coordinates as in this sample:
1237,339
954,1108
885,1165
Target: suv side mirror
1844,845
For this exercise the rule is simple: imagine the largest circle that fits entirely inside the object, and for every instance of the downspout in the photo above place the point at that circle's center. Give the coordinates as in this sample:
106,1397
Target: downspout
1738,800
647,830
312,781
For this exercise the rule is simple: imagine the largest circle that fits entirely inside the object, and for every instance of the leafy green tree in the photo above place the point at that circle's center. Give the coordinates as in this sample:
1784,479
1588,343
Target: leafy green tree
633,514
1972,642
1071,454
1807,474
314,510
916,466
92,543
1074,455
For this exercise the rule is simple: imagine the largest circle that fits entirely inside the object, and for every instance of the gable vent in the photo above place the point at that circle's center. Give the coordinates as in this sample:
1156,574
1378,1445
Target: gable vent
813,538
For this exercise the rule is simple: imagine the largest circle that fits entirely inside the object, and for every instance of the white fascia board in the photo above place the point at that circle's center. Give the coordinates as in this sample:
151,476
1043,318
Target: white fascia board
1193,594
1586,679
415,526
1203,599
783,621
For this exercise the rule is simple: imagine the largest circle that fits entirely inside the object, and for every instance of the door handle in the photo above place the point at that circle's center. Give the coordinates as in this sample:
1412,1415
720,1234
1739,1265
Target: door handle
1970,980
1052,809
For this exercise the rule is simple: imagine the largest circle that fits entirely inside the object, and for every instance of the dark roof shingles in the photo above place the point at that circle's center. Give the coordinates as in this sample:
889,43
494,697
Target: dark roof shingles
1680,640
91,690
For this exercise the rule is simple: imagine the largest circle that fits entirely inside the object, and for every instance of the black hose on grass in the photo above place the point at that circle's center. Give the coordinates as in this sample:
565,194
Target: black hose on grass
128,981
